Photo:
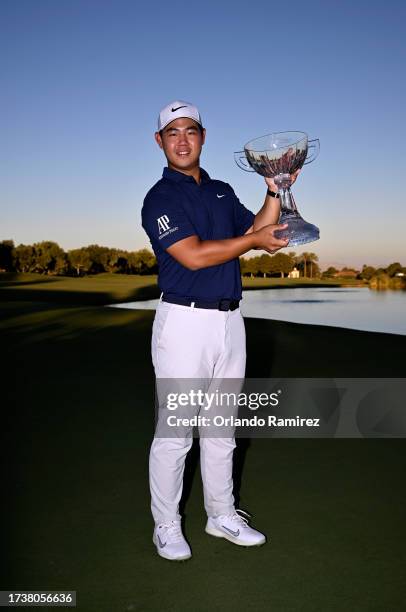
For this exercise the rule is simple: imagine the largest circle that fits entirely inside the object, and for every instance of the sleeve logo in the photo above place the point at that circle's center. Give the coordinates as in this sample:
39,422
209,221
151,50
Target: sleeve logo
163,224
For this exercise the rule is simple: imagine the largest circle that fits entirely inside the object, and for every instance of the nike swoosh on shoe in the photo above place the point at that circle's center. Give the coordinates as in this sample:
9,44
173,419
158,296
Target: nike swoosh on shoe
234,533
161,545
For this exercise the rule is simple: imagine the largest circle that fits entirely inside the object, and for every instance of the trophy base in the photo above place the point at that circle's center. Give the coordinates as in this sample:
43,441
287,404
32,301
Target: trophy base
298,230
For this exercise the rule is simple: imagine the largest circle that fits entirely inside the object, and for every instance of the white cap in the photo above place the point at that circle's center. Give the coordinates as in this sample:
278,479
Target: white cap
175,110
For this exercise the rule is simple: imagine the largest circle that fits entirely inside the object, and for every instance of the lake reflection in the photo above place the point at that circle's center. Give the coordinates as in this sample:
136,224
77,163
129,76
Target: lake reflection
355,308
352,307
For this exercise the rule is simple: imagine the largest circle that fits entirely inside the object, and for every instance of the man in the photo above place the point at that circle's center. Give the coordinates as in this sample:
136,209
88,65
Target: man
198,228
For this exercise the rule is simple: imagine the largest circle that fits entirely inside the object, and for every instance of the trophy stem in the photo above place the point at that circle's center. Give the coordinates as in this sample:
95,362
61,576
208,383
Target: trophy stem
298,230
288,204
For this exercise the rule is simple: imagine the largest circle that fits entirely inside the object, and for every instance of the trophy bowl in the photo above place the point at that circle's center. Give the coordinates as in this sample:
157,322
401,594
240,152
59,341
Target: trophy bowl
277,156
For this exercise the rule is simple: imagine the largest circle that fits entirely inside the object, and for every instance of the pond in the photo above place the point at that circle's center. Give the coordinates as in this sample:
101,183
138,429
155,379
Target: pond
351,307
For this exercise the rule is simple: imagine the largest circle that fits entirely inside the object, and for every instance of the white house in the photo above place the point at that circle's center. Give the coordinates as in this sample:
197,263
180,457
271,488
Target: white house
294,274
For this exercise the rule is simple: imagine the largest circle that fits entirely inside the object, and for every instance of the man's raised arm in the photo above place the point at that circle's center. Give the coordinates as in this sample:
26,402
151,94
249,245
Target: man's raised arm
195,254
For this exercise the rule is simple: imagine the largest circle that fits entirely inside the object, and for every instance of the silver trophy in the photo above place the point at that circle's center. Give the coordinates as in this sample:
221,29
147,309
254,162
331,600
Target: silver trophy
277,156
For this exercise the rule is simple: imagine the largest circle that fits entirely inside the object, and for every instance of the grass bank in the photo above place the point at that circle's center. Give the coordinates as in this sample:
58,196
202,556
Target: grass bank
115,288
99,289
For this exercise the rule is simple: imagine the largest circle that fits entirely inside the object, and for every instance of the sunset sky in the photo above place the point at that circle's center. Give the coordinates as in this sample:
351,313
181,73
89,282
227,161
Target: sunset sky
83,82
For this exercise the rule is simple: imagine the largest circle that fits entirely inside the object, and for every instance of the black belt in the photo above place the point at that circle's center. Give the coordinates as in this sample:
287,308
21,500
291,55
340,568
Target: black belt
220,305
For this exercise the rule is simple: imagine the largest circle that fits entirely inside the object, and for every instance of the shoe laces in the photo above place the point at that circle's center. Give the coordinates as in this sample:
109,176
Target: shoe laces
238,517
172,530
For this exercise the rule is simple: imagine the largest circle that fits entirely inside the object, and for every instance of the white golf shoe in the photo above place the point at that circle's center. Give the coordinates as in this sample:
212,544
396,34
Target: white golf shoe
170,543
235,528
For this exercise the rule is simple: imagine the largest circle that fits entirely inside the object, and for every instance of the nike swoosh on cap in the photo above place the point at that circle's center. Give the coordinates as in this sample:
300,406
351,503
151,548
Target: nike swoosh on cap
221,196
234,533
177,108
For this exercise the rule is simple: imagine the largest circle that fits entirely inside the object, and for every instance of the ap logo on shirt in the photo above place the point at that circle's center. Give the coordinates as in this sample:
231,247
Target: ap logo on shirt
163,224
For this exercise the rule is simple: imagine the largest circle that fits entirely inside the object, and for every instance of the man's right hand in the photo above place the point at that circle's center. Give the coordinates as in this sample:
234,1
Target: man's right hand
265,239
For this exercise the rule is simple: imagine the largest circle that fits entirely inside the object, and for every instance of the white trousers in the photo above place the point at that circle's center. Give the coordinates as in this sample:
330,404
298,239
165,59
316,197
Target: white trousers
194,343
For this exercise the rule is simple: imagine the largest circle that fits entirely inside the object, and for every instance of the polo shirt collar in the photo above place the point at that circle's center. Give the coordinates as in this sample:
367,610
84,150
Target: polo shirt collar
178,177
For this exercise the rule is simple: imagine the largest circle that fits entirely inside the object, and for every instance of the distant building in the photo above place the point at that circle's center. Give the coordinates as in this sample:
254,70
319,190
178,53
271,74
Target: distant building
294,274
346,274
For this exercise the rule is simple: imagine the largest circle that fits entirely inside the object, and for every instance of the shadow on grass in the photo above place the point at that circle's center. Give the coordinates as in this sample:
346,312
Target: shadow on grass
7,280
84,298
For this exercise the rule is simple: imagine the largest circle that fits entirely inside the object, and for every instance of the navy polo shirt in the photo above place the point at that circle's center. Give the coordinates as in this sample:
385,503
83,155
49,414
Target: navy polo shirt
177,207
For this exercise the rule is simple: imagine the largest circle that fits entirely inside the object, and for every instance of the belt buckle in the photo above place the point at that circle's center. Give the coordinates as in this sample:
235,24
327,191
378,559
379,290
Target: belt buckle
224,305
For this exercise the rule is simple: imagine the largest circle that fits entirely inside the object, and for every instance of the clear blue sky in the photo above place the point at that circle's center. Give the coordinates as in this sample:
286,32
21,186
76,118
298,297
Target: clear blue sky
82,82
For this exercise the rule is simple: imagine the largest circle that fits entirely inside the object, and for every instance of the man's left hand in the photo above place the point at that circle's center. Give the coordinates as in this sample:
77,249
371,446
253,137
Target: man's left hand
273,187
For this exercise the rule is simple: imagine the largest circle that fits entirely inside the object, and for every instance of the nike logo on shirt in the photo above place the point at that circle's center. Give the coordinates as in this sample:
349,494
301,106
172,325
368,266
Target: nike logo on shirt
221,195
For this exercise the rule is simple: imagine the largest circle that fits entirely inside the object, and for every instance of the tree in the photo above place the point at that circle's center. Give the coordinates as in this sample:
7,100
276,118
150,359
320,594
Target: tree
99,257
104,259
24,258
6,255
46,255
393,269
380,280
149,260
119,264
142,262
330,272
251,266
62,264
310,258
80,260
294,257
282,263
265,264
315,270
367,272
243,265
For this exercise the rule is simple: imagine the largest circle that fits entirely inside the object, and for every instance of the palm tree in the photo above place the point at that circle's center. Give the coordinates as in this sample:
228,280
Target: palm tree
311,258
303,258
